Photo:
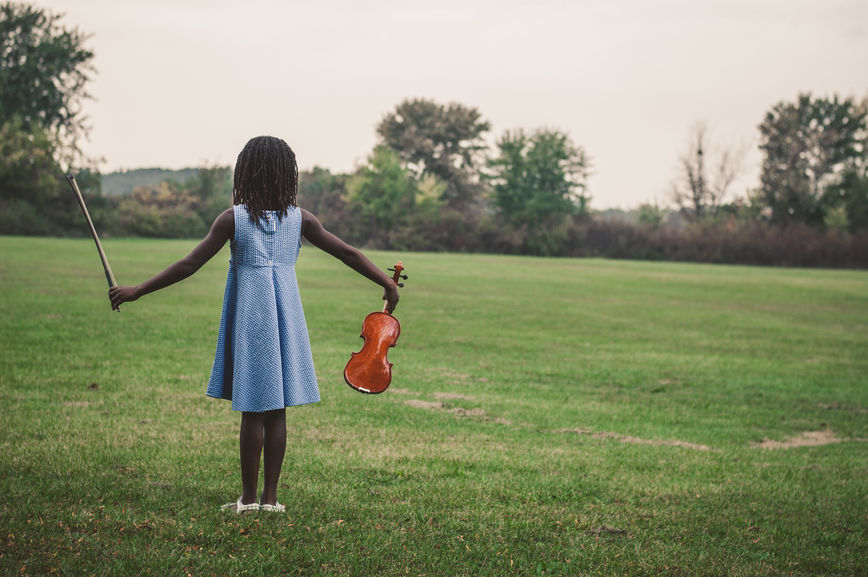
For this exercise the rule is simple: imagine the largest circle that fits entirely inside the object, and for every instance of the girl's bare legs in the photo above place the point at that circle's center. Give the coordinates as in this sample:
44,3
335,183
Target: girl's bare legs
260,430
250,441
275,447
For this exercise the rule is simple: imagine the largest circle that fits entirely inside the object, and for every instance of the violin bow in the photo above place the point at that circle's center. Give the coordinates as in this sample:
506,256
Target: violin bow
109,275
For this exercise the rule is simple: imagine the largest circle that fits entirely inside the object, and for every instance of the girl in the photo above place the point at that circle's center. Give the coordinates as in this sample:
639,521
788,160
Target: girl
263,362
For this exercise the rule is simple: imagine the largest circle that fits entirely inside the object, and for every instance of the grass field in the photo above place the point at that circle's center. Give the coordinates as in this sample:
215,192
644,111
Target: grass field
546,417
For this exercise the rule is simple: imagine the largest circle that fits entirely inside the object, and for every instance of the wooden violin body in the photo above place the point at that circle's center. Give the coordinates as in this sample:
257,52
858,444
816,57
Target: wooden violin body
369,370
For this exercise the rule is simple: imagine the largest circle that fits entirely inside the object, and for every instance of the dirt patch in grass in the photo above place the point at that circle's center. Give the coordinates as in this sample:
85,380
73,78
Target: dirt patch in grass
439,406
461,412
636,440
840,407
667,442
806,439
478,412
431,405
451,396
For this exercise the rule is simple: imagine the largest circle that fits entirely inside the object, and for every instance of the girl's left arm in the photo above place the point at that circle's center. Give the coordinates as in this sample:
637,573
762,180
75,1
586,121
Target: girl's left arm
313,230
222,230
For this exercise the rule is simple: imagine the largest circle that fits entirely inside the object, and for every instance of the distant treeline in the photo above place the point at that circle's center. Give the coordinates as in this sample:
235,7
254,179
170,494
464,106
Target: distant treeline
432,184
738,234
185,208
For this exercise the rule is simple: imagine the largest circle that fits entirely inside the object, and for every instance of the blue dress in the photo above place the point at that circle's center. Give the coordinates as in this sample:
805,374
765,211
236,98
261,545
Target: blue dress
263,360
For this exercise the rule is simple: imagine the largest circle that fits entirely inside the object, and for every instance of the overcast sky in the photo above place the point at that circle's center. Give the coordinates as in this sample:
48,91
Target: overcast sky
185,82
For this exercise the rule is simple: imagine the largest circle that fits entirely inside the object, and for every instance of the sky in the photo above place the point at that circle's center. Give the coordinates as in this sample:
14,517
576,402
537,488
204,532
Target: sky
183,83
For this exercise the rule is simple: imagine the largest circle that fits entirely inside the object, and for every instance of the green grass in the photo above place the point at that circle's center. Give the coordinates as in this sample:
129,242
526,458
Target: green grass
555,417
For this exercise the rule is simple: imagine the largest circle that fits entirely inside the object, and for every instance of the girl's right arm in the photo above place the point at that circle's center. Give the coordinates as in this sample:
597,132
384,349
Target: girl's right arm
221,231
315,232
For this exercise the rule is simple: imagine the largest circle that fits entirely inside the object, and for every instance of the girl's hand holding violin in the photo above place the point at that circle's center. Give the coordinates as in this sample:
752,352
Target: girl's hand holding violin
122,294
390,295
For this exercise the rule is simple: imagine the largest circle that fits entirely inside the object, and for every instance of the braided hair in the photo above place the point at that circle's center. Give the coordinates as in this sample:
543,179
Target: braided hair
266,178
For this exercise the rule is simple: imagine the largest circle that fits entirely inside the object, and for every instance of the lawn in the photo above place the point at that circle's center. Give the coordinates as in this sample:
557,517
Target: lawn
546,417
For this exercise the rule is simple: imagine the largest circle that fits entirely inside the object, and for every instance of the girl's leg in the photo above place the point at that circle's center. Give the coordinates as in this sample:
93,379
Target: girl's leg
250,441
275,447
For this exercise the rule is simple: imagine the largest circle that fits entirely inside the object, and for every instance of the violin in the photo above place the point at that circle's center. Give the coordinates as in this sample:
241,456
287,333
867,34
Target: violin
369,370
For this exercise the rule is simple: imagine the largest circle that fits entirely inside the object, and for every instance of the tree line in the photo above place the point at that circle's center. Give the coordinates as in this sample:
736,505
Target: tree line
434,183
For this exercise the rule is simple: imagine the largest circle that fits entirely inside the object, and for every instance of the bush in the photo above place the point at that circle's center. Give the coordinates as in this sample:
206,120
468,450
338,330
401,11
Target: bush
730,241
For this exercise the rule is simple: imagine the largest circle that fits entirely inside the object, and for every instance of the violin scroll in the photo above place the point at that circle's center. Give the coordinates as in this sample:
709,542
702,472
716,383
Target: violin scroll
397,269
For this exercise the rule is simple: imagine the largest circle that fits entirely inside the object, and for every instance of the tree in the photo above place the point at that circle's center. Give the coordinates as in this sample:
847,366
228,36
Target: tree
649,215
34,196
847,200
28,170
29,179
44,68
538,175
445,141
697,192
325,195
382,193
539,181
212,190
808,146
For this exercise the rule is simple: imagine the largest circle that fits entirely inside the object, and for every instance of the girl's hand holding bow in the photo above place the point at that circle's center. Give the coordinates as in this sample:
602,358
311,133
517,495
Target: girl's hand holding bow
119,295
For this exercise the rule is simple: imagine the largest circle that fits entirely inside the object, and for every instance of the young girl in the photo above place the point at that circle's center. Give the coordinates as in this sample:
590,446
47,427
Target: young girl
263,362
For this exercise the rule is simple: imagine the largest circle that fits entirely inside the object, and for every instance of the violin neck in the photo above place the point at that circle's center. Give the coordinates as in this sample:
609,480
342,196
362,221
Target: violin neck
396,278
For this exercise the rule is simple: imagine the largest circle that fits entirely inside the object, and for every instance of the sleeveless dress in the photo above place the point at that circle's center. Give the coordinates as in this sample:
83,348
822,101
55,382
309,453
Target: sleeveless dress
263,360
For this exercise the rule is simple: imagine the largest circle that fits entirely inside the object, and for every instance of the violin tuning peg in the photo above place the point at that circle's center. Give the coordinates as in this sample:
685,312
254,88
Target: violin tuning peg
405,277
401,285
390,268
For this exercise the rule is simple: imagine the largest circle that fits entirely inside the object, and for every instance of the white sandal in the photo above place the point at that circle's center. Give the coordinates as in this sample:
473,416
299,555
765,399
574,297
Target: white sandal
240,507
276,508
